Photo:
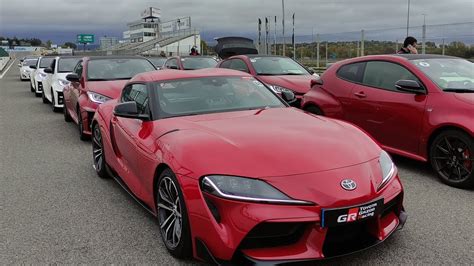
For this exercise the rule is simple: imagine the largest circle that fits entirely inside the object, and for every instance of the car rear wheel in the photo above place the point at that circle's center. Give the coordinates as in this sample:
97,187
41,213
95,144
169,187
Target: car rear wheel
67,117
172,215
31,87
98,152
314,110
452,157
80,125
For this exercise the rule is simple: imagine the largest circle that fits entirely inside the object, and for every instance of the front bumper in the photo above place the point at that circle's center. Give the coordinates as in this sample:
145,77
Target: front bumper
242,232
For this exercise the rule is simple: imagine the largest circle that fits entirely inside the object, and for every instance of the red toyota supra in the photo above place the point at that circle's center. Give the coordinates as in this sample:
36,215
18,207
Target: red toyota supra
233,173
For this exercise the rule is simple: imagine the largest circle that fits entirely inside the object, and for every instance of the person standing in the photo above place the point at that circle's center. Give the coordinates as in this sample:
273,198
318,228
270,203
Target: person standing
409,46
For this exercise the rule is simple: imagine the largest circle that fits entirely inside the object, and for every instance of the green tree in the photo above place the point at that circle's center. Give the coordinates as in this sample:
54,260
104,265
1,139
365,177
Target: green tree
48,44
69,45
204,47
35,42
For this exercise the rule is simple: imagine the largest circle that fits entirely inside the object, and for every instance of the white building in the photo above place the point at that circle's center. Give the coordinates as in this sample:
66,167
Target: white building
141,31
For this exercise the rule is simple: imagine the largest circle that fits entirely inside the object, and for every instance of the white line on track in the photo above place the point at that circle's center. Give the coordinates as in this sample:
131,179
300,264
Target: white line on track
8,68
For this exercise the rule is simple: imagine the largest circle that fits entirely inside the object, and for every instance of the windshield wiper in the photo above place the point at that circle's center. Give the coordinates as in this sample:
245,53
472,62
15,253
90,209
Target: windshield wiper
459,90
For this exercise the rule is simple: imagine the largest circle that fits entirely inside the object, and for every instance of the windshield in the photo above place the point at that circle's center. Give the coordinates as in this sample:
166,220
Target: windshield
46,62
158,61
277,66
67,64
30,62
213,95
191,63
119,68
450,74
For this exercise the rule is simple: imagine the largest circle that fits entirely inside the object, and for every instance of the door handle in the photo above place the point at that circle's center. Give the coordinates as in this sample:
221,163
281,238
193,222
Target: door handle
360,94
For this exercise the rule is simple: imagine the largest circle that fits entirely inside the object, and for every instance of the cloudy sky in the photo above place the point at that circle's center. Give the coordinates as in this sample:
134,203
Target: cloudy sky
62,19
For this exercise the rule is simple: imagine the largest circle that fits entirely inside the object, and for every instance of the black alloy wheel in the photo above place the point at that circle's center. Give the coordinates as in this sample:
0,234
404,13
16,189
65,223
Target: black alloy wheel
53,102
452,157
43,97
98,152
80,125
67,117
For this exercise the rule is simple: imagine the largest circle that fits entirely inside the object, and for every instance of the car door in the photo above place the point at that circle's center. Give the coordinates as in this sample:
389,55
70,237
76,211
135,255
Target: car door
392,117
128,134
75,89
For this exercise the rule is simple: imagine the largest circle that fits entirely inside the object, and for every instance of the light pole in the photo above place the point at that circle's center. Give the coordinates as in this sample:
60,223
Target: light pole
408,17
179,34
283,24
423,45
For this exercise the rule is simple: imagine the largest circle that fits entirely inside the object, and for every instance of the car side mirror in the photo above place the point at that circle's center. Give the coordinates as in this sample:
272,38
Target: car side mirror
33,67
73,77
288,96
48,70
317,81
129,110
410,86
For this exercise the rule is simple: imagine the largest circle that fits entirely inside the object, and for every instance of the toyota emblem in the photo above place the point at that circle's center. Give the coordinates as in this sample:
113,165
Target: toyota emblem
348,184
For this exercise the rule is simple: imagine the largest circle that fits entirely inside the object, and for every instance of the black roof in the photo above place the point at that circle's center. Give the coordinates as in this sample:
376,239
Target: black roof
425,56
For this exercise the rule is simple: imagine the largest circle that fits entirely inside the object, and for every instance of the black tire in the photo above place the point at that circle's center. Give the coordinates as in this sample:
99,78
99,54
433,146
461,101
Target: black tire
53,102
98,155
452,157
80,125
166,209
314,110
67,117
45,101
38,94
31,87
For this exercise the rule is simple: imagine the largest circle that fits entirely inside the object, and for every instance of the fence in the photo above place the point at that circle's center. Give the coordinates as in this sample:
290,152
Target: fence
320,49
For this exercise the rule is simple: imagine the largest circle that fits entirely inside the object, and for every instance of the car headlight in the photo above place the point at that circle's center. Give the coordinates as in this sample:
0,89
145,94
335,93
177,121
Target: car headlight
246,189
63,82
97,98
278,89
388,168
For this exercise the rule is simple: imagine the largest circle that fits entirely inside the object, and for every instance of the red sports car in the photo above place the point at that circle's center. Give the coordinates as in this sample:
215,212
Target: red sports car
279,72
94,81
233,173
189,62
418,106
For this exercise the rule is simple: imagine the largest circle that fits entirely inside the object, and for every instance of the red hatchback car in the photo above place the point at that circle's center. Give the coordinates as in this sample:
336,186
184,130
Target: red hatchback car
189,62
232,172
94,81
279,72
418,106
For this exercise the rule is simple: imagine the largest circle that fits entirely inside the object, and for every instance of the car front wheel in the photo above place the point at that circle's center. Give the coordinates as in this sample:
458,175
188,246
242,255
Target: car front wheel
98,152
172,215
452,157
80,125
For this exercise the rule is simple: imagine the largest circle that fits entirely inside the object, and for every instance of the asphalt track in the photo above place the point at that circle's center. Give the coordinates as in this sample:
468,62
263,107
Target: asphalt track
53,208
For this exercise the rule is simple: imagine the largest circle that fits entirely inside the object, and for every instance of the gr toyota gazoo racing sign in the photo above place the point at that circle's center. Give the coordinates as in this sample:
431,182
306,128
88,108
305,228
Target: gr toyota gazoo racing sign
342,216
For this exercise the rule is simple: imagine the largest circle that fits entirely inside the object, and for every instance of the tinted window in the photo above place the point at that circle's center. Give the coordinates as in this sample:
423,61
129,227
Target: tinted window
213,94
46,62
30,62
191,63
67,64
139,94
352,72
78,69
384,75
239,64
119,68
172,63
277,66
226,64
157,61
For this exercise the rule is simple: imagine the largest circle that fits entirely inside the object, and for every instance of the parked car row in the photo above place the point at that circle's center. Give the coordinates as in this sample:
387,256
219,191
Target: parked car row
234,173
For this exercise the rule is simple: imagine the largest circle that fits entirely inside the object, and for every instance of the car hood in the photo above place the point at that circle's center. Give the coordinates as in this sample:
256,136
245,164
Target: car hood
300,84
265,143
465,97
111,88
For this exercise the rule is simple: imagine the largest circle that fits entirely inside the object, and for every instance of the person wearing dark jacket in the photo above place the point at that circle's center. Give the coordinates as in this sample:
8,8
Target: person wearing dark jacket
409,46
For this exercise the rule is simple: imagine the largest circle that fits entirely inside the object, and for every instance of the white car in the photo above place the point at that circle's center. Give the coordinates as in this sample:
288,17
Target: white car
54,83
37,76
25,68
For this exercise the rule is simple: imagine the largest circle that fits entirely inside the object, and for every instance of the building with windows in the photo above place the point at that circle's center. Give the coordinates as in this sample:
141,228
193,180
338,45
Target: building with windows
141,31
107,42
